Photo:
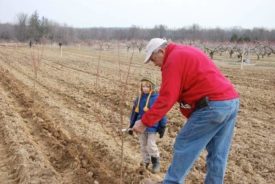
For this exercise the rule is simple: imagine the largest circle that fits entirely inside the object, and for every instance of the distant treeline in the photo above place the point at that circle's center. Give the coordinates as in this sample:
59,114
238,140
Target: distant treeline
36,28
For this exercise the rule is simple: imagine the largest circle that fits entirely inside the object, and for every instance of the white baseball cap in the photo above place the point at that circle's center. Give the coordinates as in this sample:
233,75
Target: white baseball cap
153,44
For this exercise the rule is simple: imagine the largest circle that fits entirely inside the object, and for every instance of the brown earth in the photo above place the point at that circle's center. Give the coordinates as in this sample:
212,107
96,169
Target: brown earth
63,125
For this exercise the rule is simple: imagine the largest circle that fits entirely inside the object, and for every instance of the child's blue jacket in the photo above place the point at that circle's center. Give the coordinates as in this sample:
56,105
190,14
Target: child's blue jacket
137,116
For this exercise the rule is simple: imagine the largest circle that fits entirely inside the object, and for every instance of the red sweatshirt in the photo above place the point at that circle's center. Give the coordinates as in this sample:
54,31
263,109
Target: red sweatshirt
187,76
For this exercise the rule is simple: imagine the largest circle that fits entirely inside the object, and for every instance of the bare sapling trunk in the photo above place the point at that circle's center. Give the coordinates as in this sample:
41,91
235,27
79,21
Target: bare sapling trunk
36,57
242,59
122,100
98,68
118,59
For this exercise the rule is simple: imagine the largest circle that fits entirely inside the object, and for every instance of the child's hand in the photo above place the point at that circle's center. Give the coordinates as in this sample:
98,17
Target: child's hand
130,132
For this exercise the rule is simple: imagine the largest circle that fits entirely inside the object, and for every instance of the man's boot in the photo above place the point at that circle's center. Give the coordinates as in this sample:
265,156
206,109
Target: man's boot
156,164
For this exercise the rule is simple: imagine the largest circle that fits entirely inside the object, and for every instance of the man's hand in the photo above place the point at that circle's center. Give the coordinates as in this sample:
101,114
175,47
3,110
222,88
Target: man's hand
139,127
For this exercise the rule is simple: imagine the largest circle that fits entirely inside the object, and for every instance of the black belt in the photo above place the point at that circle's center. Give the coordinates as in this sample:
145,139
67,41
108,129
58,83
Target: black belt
203,102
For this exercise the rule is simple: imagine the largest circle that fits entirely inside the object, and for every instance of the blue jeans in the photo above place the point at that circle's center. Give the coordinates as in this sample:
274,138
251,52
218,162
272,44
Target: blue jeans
211,127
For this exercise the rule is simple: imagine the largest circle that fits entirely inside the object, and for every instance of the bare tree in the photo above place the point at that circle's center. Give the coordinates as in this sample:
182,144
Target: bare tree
34,27
21,28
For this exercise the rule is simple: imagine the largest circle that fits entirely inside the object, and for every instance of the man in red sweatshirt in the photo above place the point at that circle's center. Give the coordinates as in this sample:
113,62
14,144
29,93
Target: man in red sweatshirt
206,98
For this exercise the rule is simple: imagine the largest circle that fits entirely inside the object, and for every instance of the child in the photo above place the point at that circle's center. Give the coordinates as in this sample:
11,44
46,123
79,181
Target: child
149,149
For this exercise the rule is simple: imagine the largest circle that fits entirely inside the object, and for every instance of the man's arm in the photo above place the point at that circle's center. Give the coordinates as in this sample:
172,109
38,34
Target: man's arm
169,91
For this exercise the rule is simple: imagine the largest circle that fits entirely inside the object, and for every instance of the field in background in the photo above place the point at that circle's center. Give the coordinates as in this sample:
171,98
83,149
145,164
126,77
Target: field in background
61,117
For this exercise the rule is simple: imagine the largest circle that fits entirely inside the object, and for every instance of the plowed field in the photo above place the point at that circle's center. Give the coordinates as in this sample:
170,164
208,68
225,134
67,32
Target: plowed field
63,125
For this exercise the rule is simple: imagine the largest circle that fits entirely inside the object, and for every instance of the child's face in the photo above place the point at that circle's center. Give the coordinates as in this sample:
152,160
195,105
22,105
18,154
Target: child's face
146,87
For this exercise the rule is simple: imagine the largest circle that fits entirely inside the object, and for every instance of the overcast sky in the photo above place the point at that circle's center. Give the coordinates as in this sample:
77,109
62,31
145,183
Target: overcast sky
146,13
